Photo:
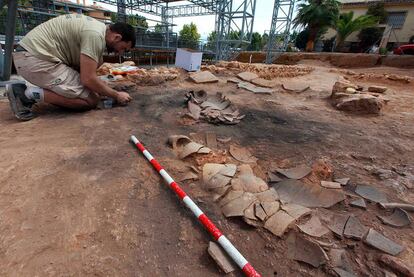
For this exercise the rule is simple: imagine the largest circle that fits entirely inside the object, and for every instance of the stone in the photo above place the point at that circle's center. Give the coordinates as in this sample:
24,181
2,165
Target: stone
296,173
296,211
399,218
298,88
247,76
304,250
237,206
242,154
313,227
342,181
308,195
380,242
273,178
360,103
341,86
221,258
278,223
202,77
354,229
254,89
350,90
269,195
377,89
234,80
247,181
270,208
339,259
360,203
330,185
259,212
337,224
370,193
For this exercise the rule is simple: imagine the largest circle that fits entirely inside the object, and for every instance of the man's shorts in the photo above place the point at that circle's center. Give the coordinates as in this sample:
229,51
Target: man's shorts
57,77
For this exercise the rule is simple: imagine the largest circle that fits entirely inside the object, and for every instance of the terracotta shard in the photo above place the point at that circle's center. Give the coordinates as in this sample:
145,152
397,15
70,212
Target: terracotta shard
279,223
211,169
211,140
247,181
399,218
259,212
296,211
330,185
203,77
354,229
234,80
271,208
371,193
304,250
396,265
342,181
295,87
178,141
340,259
296,173
242,154
273,178
263,83
220,257
247,76
337,224
216,102
230,196
269,195
193,110
189,176
360,203
250,212
237,206
254,89
308,195
314,227
343,273
380,242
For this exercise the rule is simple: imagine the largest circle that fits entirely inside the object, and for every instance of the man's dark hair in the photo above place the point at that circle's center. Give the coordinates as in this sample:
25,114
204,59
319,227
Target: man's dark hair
125,30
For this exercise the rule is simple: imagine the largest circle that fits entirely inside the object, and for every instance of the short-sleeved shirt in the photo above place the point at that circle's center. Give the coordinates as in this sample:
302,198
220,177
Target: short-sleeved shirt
65,38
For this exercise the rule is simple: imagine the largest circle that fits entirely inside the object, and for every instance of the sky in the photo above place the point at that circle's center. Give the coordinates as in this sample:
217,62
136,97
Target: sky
205,24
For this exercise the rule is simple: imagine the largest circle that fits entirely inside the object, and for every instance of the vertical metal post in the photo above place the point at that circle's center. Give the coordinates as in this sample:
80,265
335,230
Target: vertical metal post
10,33
121,9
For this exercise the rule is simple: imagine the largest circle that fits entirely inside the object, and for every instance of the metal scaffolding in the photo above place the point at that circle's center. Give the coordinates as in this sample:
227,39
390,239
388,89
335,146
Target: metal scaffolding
280,28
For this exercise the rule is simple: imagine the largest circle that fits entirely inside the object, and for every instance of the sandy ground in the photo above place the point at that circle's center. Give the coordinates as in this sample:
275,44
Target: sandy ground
77,199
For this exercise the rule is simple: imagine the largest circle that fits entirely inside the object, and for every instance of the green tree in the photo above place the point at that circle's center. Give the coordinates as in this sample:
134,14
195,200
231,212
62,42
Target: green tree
368,37
315,15
346,25
378,10
132,19
189,35
211,40
256,44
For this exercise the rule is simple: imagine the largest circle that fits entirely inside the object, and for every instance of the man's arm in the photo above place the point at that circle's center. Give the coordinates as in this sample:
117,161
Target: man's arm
89,79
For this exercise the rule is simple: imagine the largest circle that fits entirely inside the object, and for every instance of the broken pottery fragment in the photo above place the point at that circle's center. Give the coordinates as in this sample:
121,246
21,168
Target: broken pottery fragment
211,140
254,89
269,195
406,207
271,208
296,173
378,89
220,257
189,176
242,154
250,212
263,83
230,196
273,178
371,193
360,203
194,110
237,206
354,229
210,169
343,273
259,212
396,265
337,224
278,223
342,181
296,211
295,87
313,227
330,185
399,218
380,242
185,147
247,76
308,195
203,77
304,250
339,259
247,181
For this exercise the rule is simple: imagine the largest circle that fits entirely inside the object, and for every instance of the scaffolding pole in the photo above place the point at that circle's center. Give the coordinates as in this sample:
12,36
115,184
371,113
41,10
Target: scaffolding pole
9,43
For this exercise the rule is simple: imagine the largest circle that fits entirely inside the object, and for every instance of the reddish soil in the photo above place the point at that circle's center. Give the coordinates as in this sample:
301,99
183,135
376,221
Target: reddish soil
77,199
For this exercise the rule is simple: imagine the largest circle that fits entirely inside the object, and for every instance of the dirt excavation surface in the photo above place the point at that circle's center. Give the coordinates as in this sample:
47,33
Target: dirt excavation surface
78,199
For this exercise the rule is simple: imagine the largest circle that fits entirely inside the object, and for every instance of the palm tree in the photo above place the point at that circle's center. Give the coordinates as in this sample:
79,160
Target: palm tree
316,15
346,25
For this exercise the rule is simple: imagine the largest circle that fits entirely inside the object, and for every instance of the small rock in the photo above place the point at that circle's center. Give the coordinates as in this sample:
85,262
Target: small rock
378,89
351,90
360,203
247,76
220,257
341,86
360,103
342,181
354,228
382,243
330,185
203,77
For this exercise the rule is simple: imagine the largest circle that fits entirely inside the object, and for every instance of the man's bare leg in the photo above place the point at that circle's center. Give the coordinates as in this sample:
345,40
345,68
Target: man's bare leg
80,104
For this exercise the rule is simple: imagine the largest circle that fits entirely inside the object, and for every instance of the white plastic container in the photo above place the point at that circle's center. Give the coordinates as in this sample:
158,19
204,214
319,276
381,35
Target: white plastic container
188,59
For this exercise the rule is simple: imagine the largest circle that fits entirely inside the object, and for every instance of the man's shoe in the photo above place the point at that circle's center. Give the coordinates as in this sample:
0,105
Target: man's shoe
19,103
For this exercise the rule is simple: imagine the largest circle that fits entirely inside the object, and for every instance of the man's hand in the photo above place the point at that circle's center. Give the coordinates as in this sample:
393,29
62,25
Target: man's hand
123,98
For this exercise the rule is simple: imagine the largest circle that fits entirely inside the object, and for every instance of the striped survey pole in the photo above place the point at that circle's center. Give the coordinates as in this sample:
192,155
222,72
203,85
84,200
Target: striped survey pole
211,228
